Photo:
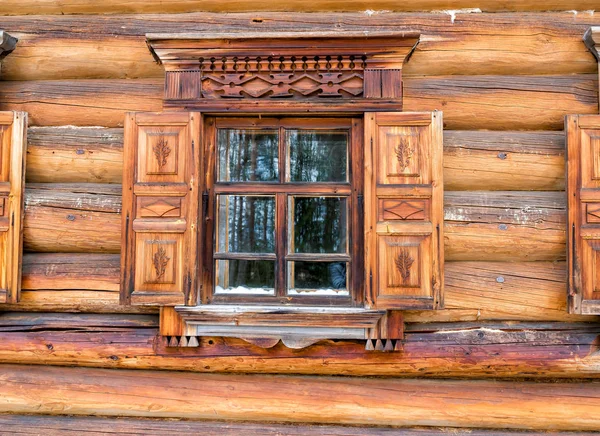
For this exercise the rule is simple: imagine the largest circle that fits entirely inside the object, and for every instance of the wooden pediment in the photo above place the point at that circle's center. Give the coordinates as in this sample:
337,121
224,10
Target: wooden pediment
237,71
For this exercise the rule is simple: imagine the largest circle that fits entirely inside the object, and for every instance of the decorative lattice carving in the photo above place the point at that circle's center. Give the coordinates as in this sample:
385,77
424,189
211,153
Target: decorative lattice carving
271,77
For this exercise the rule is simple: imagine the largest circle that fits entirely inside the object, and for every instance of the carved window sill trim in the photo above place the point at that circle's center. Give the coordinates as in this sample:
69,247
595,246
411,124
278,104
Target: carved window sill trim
295,327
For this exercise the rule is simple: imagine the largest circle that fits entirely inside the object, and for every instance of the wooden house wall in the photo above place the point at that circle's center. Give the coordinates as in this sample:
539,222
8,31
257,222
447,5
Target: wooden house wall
504,81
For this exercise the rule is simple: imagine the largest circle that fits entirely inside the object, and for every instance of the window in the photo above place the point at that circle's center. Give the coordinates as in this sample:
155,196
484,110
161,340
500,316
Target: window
284,194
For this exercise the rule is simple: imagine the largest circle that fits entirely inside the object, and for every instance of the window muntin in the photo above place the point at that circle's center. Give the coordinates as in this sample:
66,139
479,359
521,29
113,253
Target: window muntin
283,192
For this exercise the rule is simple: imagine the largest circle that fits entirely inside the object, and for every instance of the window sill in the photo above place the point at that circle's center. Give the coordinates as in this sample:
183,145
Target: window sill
295,327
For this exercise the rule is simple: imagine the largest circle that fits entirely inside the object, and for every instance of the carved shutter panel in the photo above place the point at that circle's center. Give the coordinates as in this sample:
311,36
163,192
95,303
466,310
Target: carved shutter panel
160,208
583,189
404,210
13,142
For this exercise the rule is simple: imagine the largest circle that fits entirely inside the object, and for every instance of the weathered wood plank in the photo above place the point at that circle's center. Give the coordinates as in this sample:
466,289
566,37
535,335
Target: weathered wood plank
468,102
506,226
470,350
502,102
84,322
490,160
97,426
74,155
72,218
503,161
56,7
475,291
82,102
396,402
67,271
451,43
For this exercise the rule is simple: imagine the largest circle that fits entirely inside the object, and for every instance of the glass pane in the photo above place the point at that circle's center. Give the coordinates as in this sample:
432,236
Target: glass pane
317,155
317,278
246,224
245,277
246,155
319,225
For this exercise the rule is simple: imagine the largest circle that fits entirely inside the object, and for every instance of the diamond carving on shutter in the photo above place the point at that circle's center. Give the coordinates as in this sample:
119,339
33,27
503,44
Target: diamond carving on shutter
13,143
583,191
160,209
404,210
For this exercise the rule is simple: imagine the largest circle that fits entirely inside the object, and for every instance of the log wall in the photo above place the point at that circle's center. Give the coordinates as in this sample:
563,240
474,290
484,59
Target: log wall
504,81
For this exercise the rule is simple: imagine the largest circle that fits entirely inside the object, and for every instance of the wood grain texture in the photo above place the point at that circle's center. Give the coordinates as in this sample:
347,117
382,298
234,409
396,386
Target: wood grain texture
96,426
469,350
468,102
492,226
74,155
475,291
72,218
493,161
56,7
399,402
472,44
504,161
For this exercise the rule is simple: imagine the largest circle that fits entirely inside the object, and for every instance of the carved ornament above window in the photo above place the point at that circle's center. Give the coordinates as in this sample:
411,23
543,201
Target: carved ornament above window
323,68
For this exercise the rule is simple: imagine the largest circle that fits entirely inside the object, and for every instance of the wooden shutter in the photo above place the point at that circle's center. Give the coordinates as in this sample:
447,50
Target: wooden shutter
583,228
404,210
13,143
160,208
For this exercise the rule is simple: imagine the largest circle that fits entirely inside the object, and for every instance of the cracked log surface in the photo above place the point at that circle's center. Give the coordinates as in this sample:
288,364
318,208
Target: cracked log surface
492,161
465,350
508,226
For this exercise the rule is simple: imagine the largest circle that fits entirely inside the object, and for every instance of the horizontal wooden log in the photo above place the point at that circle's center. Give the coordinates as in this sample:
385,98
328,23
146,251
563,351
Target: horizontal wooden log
502,102
503,161
492,161
96,426
468,102
56,7
81,102
470,350
451,43
474,291
74,155
395,402
72,218
507,226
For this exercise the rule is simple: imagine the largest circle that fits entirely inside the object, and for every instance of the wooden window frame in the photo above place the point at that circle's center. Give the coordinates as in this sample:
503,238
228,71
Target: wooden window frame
321,75
352,190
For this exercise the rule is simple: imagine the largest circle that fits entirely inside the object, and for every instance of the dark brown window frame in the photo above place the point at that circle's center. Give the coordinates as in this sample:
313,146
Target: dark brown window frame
353,190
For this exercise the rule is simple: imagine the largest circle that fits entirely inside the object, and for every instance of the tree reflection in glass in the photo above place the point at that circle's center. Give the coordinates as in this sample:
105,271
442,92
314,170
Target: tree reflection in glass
319,224
246,225
317,155
246,155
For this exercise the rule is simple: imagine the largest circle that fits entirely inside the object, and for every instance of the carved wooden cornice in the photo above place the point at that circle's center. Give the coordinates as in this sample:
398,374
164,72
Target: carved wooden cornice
237,71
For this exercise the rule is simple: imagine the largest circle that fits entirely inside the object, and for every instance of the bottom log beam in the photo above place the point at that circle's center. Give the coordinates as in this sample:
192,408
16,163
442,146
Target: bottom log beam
466,350
32,425
300,399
